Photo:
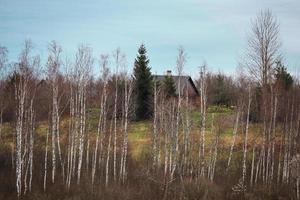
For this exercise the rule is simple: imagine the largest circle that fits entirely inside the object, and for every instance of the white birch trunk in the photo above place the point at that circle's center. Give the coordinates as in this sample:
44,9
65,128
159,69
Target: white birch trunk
117,60
246,139
252,166
236,125
107,161
46,161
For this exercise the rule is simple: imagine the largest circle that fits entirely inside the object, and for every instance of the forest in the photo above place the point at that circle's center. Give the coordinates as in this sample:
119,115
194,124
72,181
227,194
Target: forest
96,128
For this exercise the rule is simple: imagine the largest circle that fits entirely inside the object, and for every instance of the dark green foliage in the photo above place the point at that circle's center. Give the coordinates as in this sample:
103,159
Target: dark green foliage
142,85
169,86
284,89
221,89
222,95
283,78
255,109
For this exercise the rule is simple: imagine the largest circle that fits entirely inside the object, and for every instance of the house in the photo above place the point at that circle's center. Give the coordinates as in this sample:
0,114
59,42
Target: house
187,85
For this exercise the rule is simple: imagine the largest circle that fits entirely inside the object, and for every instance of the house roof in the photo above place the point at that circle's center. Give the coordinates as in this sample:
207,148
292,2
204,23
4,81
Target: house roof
183,79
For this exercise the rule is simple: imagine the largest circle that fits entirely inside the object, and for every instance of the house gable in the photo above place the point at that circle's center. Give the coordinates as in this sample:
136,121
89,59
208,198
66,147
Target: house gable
186,84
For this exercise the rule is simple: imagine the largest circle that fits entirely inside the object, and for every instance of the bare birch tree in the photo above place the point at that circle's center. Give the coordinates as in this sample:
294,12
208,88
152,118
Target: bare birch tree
79,75
25,88
180,62
203,101
100,130
155,124
263,47
83,65
117,56
246,138
235,129
53,67
128,87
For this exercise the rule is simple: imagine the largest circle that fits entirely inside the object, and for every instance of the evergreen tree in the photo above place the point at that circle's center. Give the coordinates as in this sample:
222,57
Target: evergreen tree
222,92
143,85
169,86
283,77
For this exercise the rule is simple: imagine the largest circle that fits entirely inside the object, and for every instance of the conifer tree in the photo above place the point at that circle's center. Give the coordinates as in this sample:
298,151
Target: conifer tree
143,85
282,76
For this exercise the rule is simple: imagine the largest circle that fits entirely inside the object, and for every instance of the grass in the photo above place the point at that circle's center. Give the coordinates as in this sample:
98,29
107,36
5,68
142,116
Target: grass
139,139
140,132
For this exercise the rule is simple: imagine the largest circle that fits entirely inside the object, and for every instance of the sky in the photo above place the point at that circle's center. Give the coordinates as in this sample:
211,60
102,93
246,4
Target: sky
211,31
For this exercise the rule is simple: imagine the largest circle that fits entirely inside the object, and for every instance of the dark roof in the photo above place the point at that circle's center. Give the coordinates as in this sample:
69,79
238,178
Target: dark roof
183,79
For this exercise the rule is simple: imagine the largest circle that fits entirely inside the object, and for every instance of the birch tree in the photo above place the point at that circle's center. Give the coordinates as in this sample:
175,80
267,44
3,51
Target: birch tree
24,96
117,56
53,66
100,130
261,57
263,47
203,101
187,151
246,138
79,75
235,129
180,62
128,87
155,123
83,65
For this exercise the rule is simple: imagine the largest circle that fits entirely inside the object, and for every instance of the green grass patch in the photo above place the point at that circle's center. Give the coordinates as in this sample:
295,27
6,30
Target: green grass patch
139,139
219,109
139,130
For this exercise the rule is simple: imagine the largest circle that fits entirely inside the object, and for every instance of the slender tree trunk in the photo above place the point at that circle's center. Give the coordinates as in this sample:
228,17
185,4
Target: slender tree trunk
108,156
87,155
233,138
101,116
115,116
154,139
128,90
46,161
252,166
20,93
203,120
246,139
32,129
107,161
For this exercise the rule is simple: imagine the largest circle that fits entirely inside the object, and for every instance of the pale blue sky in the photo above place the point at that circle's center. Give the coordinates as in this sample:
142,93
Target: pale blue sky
211,30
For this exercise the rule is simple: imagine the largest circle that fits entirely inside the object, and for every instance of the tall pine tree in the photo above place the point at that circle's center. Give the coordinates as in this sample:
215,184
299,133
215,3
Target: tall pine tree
143,85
